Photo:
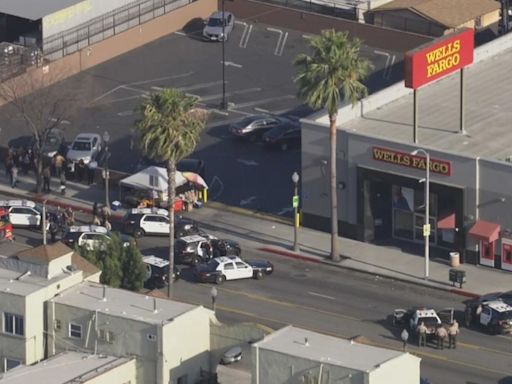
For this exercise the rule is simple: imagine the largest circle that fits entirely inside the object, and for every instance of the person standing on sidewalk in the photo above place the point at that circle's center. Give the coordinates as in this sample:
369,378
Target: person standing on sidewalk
453,331
14,176
58,162
441,336
46,179
422,335
91,171
404,336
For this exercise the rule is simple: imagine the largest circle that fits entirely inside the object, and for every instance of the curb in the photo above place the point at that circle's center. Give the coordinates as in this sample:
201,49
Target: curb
247,212
311,259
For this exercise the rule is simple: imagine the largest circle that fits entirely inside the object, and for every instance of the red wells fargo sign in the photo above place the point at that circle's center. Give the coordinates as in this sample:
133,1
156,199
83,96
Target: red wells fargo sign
405,159
439,58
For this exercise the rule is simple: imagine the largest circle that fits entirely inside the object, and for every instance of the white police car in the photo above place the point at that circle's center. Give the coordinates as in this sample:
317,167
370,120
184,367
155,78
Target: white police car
153,221
23,213
220,269
91,236
156,272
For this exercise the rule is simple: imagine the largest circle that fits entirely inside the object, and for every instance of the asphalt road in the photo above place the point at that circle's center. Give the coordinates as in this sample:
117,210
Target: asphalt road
259,77
341,303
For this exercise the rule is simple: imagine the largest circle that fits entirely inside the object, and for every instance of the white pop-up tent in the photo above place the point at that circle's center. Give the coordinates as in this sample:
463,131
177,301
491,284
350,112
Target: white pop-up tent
151,179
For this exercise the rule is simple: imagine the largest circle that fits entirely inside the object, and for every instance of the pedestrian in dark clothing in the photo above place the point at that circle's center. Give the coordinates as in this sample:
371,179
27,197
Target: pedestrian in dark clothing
79,170
14,176
46,179
54,228
91,172
26,163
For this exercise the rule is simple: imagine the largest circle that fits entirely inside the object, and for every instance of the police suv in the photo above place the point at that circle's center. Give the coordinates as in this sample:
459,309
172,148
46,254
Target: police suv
152,221
23,213
91,236
157,269
496,317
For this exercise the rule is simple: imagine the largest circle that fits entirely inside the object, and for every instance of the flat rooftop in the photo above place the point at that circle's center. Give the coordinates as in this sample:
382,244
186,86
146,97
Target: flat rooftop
488,113
25,285
35,9
326,349
66,367
122,303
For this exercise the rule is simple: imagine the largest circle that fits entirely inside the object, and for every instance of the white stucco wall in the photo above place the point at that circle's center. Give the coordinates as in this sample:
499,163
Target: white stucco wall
123,374
404,369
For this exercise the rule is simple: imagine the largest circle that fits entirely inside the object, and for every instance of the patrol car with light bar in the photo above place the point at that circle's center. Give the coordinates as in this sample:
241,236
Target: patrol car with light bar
23,213
91,236
152,221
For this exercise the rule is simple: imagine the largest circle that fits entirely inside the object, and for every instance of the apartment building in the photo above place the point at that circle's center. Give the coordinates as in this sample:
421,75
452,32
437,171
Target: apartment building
27,281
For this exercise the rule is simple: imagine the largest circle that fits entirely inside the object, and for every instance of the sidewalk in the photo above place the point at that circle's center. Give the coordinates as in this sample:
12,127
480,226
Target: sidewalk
275,235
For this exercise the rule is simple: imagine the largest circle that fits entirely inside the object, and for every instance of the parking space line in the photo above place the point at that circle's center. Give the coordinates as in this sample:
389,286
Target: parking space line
199,86
263,101
262,110
281,41
245,34
320,295
128,88
280,52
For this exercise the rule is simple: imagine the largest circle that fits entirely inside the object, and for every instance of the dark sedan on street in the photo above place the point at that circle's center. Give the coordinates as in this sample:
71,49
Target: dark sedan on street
253,127
284,136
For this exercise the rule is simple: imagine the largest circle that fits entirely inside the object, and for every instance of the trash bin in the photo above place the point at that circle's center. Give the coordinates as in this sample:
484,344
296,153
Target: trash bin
454,259
116,205
457,276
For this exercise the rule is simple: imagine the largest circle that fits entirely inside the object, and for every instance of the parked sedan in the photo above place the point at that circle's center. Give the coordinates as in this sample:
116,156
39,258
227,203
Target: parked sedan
284,136
86,147
253,127
213,29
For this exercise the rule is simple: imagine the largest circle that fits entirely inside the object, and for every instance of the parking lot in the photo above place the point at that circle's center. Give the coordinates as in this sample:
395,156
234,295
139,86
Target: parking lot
259,78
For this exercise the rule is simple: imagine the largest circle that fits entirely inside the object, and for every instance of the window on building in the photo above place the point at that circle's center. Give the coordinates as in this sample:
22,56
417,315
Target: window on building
10,363
75,331
13,324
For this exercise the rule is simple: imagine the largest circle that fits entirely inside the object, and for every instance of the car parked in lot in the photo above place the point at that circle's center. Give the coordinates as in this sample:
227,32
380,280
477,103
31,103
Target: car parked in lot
213,26
253,127
91,236
86,147
220,269
139,222
284,136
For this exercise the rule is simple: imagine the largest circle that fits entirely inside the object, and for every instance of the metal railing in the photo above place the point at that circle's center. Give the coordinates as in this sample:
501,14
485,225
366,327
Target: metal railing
340,8
107,25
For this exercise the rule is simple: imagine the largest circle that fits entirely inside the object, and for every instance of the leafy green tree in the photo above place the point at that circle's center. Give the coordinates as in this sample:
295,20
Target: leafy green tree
134,270
334,71
169,130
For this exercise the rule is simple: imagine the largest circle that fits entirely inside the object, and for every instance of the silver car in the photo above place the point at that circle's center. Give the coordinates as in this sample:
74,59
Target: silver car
213,26
86,147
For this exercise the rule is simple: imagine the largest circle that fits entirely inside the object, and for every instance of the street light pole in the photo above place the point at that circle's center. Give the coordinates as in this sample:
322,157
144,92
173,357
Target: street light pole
426,224
44,222
106,139
295,203
223,104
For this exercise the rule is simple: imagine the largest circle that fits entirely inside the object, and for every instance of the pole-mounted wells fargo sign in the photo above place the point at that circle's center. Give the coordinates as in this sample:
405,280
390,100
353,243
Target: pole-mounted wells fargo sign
439,58
405,159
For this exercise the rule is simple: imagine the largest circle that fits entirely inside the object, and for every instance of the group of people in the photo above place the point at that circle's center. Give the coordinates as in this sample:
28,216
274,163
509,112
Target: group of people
441,335
60,221
101,216
18,160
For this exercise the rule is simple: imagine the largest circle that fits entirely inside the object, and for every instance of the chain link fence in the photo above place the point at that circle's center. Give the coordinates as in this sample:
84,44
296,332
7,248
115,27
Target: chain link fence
107,25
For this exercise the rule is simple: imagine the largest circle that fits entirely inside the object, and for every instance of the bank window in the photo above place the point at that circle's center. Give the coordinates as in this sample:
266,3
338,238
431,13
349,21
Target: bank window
10,364
13,324
486,250
419,202
75,331
507,253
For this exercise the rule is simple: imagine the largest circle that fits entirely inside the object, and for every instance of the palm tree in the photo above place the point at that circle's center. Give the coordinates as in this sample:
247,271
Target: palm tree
334,71
169,130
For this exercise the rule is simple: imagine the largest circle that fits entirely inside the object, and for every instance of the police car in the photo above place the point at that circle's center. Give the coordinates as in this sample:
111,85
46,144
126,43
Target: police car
91,236
496,317
150,221
157,270
23,213
200,248
428,316
220,269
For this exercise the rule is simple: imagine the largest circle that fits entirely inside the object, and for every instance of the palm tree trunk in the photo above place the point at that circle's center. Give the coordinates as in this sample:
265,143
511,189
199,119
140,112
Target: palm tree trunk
335,256
171,193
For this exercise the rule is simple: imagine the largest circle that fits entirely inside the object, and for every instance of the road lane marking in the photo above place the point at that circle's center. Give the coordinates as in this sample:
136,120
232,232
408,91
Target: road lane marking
125,113
245,34
180,33
232,64
247,201
262,110
320,295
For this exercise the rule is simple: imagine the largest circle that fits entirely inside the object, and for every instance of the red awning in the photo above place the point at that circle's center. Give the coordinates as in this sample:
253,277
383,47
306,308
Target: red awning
485,230
447,222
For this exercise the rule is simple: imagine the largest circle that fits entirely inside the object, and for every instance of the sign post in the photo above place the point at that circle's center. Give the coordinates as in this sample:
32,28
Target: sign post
437,59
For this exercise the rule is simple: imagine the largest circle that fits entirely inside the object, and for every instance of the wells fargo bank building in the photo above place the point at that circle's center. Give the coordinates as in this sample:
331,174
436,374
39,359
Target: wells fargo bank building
381,187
